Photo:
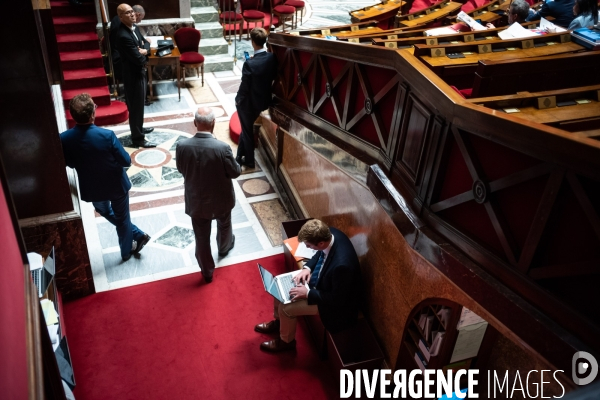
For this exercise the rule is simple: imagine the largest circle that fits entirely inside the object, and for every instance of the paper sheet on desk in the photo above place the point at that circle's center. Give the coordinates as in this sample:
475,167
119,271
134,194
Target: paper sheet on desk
466,18
153,41
49,312
35,261
516,31
303,251
548,26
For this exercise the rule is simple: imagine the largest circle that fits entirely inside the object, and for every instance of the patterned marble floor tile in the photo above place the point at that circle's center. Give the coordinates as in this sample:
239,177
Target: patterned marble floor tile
230,86
162,88
256,186
221,132
167,104
271,214
151,261
177,236
246,242
201,94
149,224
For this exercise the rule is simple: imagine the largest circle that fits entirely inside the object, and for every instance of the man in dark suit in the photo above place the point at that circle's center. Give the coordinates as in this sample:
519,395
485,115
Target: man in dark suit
333,277
254,94
208,166
115,25
134,50
99,159
561,10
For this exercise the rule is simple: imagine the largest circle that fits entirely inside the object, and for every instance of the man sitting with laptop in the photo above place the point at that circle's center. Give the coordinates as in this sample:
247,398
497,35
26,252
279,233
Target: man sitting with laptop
333,292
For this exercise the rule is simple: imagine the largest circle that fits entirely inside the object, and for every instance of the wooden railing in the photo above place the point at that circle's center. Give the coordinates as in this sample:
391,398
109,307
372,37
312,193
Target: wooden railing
517,198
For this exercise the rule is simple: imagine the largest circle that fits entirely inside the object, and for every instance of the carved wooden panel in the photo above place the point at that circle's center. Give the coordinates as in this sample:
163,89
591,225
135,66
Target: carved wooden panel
413,139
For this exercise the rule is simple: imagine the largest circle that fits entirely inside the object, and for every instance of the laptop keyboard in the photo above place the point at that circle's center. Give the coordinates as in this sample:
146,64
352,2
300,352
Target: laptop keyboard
287,284
36,275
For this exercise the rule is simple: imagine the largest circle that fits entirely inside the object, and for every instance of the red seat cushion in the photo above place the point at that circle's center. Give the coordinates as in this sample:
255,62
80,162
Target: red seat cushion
253,14
294,3
230,16
465,93
191,58
235,128
284,9
470,5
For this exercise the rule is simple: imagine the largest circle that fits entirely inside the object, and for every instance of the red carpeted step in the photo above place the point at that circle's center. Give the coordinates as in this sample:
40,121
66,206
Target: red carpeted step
74,24
77,41
84,59
113,114
84,78
100,94
62,8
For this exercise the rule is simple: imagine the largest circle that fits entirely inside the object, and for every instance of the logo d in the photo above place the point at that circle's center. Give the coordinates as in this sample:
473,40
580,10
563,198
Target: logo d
590,364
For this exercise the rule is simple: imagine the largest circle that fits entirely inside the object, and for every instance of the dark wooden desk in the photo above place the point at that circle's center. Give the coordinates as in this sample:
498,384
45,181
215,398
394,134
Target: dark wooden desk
171,59
437,13
377,12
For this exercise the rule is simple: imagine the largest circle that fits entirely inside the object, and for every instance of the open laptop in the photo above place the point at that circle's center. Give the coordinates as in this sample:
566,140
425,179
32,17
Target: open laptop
43,276
278,286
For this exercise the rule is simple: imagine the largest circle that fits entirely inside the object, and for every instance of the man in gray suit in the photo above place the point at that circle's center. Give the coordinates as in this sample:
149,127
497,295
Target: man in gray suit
208,166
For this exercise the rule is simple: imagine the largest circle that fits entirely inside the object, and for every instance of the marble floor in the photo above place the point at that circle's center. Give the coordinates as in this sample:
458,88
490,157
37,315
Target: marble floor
157,196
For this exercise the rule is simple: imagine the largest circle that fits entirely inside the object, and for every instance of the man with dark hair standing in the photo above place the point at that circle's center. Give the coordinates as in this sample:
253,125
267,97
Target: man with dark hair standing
208,166
254,94
99,159
134,50
333,277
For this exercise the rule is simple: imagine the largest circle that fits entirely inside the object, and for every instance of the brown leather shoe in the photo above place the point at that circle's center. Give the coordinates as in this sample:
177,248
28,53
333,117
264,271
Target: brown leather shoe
277,345
268,327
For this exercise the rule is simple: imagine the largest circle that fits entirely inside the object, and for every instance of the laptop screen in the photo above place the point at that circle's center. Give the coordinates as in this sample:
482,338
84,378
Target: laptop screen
269,282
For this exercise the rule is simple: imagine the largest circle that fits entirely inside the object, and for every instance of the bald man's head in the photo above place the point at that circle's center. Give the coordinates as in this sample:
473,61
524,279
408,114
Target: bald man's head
126,14
204,119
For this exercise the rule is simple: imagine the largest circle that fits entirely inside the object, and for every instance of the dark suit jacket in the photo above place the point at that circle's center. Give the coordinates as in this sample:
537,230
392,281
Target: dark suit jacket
208,167
258,73
561,10
338,290
113,36
99,159
131,59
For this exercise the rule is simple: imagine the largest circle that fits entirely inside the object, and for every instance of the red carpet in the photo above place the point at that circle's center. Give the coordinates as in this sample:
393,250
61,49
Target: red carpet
81,61
182,339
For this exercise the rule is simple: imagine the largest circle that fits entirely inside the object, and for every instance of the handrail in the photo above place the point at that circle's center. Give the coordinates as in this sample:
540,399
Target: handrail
547,143
107,48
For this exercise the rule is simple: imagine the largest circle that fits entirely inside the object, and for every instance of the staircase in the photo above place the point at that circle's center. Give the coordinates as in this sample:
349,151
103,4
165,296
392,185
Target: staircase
81,61
212,45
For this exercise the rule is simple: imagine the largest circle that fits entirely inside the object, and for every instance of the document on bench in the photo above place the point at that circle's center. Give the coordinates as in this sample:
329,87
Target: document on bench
549,27
466,18
516,31
154,40
303,251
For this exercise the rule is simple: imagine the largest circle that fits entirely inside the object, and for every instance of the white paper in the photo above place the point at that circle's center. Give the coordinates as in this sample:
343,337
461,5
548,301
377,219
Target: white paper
468,342
35,261
304,252
437,344
444,30
153,40
516,31
550,27
466,18
468,317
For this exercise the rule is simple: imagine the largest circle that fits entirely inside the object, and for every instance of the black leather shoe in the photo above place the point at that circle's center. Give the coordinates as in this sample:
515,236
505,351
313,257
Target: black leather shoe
147,102
223,254
277,345
207,279
145,144
126,258
147,130
268,327
141,243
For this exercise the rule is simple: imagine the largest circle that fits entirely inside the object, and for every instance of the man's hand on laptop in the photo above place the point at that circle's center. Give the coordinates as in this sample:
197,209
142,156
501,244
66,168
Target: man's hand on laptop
302,277
298,293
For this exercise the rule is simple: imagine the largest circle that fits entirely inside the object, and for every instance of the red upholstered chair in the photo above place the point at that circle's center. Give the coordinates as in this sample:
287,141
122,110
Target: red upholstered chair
283,12
188,40
228,17
299,6
250,12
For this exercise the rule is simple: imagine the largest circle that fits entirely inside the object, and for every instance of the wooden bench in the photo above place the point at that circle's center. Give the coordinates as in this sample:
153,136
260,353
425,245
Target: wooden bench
574,109
354,348
423,11
459,71
366,27
458,37
563,71
384,13
428,16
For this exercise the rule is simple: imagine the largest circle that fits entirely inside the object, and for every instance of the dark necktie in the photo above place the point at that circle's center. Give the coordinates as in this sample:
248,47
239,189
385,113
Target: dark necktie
314,277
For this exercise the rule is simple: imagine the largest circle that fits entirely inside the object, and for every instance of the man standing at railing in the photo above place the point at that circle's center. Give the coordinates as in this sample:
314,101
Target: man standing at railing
254,94
134,50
